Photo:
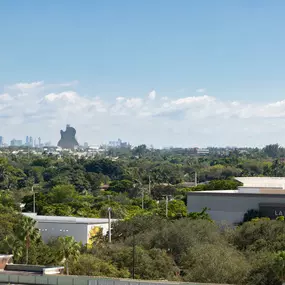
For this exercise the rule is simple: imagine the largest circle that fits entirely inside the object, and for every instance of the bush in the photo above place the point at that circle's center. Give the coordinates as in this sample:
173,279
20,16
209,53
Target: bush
214,263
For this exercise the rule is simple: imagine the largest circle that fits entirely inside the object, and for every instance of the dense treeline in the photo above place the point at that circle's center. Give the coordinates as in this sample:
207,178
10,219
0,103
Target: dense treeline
146,244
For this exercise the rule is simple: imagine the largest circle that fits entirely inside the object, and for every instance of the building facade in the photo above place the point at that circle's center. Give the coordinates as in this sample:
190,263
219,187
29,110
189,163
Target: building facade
230,207
263,194
82,229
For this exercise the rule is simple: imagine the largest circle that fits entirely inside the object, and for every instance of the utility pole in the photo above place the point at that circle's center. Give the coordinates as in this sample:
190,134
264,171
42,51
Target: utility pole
34,200
142,198
109,225
166,204
195,178
134,255
149,185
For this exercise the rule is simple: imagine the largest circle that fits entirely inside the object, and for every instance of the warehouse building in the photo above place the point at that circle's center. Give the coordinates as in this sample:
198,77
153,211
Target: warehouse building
82,229
264,194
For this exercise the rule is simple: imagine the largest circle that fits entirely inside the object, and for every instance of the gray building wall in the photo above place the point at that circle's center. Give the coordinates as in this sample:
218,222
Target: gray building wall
230,207
54,230
80,231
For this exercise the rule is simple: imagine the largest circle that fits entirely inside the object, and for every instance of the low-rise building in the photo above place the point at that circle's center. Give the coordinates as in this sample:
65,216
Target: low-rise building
263,194
82,229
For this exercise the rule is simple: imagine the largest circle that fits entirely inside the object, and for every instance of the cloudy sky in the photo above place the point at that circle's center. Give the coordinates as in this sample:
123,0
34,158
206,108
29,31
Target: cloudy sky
167,73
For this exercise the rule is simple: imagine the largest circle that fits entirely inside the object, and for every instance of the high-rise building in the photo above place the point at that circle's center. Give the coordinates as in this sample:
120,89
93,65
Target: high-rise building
31,142
1,141
15,142
27,140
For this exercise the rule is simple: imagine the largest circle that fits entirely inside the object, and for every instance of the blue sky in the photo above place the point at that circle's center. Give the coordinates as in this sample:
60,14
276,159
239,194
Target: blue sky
104,50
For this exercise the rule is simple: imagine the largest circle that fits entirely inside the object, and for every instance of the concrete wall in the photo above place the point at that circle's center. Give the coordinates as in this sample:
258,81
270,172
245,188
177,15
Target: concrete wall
229,207
79,280
54,230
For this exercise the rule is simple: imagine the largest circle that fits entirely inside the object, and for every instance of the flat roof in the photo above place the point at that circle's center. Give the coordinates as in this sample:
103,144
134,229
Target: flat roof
262,181
68,220
220,191
233,193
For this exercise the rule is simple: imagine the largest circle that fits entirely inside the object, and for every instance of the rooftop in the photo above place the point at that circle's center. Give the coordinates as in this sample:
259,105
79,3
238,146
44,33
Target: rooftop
273,182
69,220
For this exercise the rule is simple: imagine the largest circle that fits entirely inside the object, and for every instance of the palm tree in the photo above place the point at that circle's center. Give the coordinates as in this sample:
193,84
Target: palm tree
26,232
11,245
68,248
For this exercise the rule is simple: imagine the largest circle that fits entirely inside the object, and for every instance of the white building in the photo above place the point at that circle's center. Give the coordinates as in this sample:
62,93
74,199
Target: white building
82,229
263,194
203,151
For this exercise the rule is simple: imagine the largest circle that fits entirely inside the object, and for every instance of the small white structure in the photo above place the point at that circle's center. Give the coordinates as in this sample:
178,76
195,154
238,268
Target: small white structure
82,229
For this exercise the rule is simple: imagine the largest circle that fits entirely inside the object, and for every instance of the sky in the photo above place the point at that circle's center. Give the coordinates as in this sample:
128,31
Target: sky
179,73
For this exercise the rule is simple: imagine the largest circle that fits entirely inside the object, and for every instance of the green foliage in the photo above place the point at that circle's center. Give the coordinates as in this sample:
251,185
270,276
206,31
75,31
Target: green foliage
106,167
158,192
203,215
134,182
62,194
68,249
121,186
218,185
260,235
209,263
176,209
89,265
250,215
265,270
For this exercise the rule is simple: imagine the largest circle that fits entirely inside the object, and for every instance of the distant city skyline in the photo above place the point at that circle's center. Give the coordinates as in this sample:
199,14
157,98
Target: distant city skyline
167,73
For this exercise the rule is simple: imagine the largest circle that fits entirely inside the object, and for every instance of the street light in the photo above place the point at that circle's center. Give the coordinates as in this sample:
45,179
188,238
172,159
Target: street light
109,225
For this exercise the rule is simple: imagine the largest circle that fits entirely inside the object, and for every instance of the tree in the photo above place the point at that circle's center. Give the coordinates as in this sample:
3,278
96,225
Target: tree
147,264
121,186
89,265
140,150
265,269
106,167
271,150
214,263
159,191
260,234
280,264
68,248
62,194
176,209
203,215
27,233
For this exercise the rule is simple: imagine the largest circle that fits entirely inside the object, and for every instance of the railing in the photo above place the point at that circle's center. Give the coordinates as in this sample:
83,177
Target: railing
77,280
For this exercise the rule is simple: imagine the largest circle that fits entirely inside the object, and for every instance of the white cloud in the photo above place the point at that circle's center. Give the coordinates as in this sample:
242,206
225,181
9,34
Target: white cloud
185,120
27,86
6,97
120,99
201,90
70,97
152,95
